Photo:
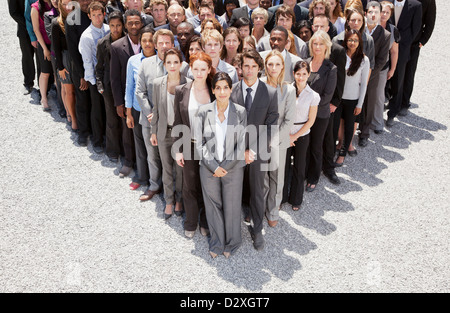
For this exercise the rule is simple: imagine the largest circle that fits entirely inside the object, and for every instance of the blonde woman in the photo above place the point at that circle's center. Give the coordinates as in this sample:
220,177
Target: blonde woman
260,17
274,181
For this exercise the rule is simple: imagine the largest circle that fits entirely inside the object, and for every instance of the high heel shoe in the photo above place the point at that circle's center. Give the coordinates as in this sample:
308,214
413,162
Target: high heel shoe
213,255
167,216
336,164
178,212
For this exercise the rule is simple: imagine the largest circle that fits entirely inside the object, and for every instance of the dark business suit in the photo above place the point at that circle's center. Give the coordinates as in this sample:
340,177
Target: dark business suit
409,25
324,83
121,51
381,39
263,112
113,147
300,14
223,195
428,21
17,11
243,12
192,189
82,97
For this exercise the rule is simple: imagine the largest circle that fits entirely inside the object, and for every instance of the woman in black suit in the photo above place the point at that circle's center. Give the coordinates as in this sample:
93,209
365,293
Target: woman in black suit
222,125
322,80
188,99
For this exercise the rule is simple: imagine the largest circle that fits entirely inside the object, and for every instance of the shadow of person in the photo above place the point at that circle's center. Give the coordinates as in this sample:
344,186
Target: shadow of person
251,269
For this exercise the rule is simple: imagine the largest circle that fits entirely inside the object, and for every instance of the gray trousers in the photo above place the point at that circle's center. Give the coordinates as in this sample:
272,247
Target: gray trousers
223,200
378,121
153,160
273,185
171,172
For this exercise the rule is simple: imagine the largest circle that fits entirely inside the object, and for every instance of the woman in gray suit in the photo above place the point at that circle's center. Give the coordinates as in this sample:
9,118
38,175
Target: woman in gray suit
274,180
162,123
222,148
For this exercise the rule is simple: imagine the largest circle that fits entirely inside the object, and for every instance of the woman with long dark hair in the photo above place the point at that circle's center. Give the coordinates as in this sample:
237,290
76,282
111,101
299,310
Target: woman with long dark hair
357,76
306,104
188,99
232,44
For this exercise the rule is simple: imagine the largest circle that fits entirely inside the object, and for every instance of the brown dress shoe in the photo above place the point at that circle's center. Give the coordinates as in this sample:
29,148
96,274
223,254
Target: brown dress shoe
148,195
272,223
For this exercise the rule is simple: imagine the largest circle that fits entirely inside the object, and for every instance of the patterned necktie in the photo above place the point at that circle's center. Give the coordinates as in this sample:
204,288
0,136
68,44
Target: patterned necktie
248,100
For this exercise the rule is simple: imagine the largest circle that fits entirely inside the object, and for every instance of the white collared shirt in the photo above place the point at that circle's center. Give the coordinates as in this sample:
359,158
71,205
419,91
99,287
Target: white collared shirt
221,132
254,88
370,32
136,48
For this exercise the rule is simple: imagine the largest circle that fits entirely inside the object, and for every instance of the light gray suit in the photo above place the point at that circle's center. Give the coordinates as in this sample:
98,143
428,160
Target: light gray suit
289,64
264,44
223,195
150,69
274,179
159,127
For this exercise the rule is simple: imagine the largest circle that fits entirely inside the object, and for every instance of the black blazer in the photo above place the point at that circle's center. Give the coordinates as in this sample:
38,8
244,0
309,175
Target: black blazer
264,111
17,11
121,51
102,69
73,35
409,26
301,14
324,83
181,108
428,21
243,12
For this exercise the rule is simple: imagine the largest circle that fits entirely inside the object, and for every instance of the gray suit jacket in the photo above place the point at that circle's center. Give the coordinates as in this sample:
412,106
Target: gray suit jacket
286,111
148,71
289,64
264,44
159,100
234,139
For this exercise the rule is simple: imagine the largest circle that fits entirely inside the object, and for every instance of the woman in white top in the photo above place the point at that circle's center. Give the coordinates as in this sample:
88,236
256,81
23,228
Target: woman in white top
222,125
162,123
274,181
188,99
336,15
306,106
357,75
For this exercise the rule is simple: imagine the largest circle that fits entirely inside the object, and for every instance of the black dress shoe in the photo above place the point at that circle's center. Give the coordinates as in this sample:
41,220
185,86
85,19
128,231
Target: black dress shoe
98,149
390,122
362,142
378,131
27,90
403,112
352,153
113,159
332,177
82,141
258,241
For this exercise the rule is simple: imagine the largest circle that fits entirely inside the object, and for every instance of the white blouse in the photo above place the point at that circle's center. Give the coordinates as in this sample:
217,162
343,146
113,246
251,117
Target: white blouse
307,98
170,109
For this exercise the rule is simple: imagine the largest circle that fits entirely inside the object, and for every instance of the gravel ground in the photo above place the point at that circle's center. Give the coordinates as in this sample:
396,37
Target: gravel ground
69,224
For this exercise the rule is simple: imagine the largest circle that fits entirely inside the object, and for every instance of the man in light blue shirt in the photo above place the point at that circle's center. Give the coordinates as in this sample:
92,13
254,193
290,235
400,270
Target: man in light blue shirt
88,50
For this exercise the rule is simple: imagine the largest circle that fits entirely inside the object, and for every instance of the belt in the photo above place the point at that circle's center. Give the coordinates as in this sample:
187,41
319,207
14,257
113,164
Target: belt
300,123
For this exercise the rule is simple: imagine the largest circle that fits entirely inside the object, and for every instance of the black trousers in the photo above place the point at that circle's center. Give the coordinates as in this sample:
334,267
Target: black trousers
28,67
348,109
82,106
142,175
314,156
192,193
329,146
294,178
397,82
129,151
410,73
113,131
98,116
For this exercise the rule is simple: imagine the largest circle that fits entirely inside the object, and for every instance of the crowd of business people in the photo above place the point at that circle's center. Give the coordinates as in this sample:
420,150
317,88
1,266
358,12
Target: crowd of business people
220,103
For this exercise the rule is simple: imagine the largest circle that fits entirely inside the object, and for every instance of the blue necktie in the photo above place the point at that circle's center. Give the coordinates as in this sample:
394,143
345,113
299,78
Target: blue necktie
248,100
250,13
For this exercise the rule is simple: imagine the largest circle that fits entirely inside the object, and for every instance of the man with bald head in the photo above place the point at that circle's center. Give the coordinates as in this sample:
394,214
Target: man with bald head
184,33
175,15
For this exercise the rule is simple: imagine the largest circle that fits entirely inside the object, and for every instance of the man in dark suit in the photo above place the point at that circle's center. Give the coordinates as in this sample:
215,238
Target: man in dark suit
428,21
301,13
261,104
381,39
113,146
246,11
408,19
17,11
74,30
121,51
